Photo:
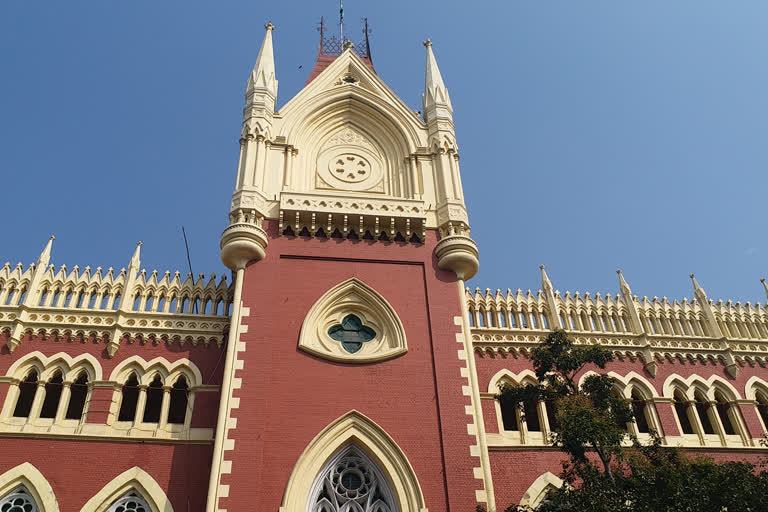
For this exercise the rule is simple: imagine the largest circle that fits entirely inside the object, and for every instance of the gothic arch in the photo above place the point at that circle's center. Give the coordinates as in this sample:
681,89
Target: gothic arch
29,476
134,479
353,298
504,374
539,489
70,366
146,370
357,429
695,382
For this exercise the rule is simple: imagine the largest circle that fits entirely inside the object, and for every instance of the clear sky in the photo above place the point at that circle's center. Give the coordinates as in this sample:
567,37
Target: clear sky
593,134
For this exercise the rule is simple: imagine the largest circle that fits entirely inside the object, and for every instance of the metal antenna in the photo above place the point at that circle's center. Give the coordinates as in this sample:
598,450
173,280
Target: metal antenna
189,262
341,21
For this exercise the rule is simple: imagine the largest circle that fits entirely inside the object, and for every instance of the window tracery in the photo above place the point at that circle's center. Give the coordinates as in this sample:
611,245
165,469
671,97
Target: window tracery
18,501
351,482
131,502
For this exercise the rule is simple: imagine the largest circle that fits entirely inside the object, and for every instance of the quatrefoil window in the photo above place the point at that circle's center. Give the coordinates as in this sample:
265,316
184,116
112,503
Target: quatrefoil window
351,333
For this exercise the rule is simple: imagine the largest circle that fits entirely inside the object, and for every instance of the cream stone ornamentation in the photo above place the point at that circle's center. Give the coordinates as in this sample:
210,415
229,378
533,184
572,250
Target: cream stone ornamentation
27,483
353,323
132,481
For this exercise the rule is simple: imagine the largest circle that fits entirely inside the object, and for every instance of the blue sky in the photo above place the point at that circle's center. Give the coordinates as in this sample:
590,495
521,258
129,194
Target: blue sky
593,134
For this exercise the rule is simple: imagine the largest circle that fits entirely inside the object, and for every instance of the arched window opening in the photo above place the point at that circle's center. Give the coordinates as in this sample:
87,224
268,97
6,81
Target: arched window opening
530,408
196,307
503,319
43,296
702,408
551,408
68,299
161,303
481,318
471,318
131,502
104,301
177,412
18,501
116,304
351,482
27,389
723,408
77,396
172,308
130,397
762,408
136,302
509,415
207,307
80,297
185,305
52,396
148,304
10,297
92,303
681,408
640,411
154,401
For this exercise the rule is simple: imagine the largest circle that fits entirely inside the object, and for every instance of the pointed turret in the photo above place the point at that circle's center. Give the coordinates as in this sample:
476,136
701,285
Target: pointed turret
262,79
45,257
698,291
436,103
626,291
546,284
765,286
133,266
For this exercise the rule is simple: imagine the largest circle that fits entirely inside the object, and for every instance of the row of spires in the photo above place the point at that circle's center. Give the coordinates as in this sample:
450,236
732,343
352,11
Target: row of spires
626,291
263,78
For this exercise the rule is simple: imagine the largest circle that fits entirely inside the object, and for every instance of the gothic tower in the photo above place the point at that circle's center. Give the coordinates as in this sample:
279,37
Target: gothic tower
349,239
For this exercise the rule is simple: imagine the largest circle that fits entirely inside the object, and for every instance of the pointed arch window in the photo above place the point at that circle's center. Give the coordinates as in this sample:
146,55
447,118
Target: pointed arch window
762,408
177,412
130,397
27,389
18,501
154,401
702,408
351,482
52,396
681,409
131,502
77,397
723,408
640,412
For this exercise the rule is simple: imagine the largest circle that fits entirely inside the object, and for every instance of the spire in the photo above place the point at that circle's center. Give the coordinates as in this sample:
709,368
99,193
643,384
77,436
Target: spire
698,291
263,74
435,101
546,284
765,286
45,256
626,291
135,259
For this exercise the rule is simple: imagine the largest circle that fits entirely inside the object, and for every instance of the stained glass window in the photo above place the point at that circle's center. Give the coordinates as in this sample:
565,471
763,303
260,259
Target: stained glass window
18,501
131,502
351,333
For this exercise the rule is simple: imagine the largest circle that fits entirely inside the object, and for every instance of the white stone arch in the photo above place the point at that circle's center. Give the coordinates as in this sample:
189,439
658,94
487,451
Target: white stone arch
34,482
539,488
354,428
134,479
753,385
357,298
504,374
695,382
47,365
146,370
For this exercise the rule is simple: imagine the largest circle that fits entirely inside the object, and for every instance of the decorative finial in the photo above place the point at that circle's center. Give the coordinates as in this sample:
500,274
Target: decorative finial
762,280
269,26
52,238
428,43
348,44
618,271
541,267
140,243
692,276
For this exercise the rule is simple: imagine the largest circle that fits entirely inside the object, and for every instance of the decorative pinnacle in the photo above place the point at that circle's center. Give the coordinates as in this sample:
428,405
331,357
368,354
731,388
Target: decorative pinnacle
428,43
541,267
618,271
692,276
348,44
269,26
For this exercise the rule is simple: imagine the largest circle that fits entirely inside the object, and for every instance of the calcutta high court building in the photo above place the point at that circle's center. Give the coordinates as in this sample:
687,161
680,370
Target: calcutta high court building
344,366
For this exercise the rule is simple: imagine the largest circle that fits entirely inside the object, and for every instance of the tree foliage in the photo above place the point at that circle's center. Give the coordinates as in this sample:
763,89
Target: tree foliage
603,475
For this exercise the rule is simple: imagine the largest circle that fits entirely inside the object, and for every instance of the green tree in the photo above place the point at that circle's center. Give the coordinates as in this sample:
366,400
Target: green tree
590,418
601,475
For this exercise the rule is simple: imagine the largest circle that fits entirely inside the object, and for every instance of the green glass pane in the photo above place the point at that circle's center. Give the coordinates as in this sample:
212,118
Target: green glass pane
351,333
